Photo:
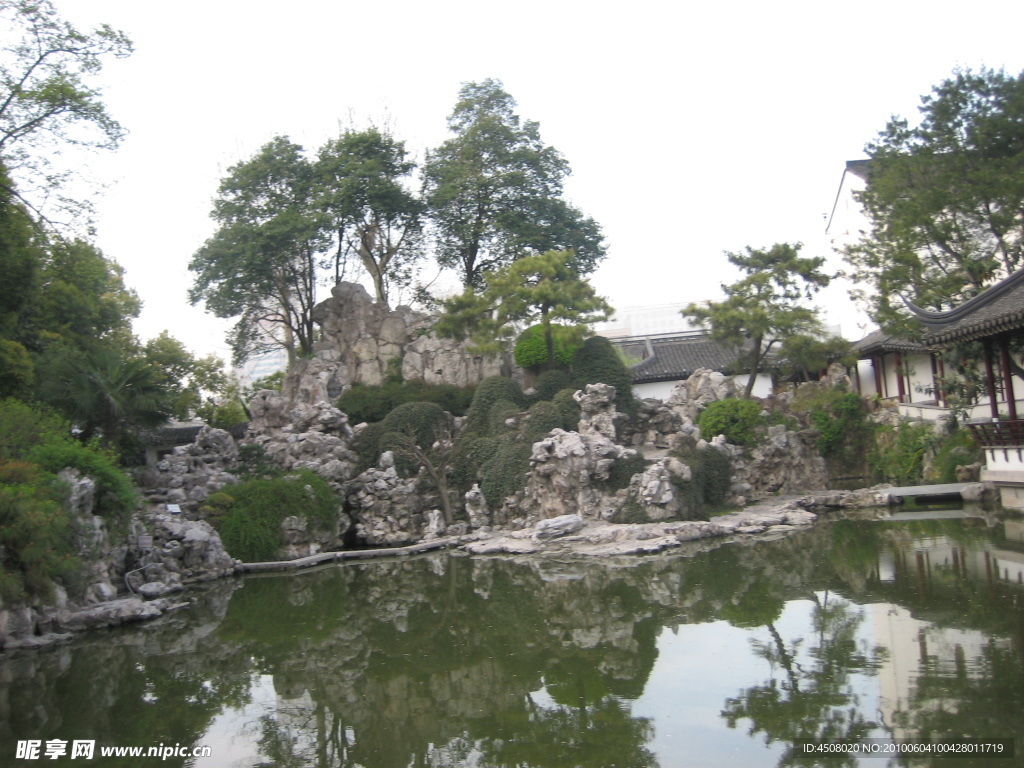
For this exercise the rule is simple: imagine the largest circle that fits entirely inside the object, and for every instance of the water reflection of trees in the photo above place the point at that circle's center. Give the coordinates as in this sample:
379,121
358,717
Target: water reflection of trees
500,662
814,701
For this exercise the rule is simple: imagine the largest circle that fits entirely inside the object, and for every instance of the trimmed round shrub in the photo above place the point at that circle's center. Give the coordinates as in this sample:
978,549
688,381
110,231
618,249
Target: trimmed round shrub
737,419
541,419
471,453
362,402
366,445
500,413
550,383
568,408
423,422
489,392
505,474
597,362
531,350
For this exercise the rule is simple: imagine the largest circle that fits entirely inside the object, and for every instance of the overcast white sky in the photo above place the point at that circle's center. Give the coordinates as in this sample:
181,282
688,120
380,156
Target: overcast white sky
691,128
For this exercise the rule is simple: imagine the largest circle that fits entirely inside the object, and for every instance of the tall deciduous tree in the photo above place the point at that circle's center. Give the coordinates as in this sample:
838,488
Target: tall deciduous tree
766,306
494,190
543,289
260,266
363,186
945,198
46,101
185,377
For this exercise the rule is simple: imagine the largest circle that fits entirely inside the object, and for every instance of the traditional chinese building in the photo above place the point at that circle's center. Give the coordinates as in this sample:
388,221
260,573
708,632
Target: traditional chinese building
994,317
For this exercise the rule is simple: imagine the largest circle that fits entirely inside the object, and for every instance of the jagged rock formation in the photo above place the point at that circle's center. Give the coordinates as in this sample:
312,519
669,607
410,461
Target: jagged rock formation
567,476
690,397
386,507
784,462
655,491
360,339
192,472
598,415
301,436
176,552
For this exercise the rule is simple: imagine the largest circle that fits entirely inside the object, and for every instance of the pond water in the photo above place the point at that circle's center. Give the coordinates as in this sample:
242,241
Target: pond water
724,654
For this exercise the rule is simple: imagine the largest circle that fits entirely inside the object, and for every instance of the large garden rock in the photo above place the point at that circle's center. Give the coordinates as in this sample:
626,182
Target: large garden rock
189,474
361,341
568,476
386,508
783,462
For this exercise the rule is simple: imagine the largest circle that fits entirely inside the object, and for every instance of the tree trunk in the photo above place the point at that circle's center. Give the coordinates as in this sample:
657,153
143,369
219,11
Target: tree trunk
755,356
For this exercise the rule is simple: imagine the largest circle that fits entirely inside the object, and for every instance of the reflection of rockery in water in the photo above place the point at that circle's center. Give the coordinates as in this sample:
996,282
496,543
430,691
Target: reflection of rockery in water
402,675
441,660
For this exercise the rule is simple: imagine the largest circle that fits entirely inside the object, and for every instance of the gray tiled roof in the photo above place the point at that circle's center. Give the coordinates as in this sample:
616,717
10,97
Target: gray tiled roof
878,341
185,434
994,310
670,358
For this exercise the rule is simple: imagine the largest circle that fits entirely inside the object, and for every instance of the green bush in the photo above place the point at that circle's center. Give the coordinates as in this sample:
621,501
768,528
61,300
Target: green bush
623,469
568,408
531,350
597,362
115,493
500,413
550,383
35,543
844,417
489,392
541,419
505,473
899,452
710,479
366,445
250,529
957,448
16,369
737,419
22,427
254,462
471,454
424,422
362,402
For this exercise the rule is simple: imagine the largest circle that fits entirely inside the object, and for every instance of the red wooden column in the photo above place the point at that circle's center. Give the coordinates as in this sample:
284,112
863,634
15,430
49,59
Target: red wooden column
1004,359
942,377
899,377
990,378
876,364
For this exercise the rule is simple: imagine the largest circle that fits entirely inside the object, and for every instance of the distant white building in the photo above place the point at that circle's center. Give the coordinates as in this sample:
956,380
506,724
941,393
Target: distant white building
260,366
646,321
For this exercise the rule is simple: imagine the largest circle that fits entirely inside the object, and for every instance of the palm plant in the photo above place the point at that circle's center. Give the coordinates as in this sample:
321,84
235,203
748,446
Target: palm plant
103,392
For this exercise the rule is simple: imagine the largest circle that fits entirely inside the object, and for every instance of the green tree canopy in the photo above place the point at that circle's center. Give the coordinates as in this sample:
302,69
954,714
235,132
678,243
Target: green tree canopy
363,178
544,288
944,198
104,392
46,101
185,377
260,266
494,190
83,299
766,306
